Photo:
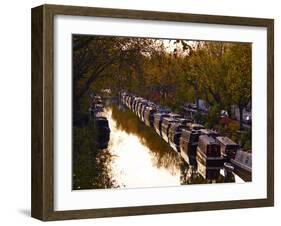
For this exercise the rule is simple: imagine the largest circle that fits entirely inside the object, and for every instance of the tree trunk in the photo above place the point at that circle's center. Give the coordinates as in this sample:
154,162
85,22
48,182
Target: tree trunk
241,107
196,95
228,108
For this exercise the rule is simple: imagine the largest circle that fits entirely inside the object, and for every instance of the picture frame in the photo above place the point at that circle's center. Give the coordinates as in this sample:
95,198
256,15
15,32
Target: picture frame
43,33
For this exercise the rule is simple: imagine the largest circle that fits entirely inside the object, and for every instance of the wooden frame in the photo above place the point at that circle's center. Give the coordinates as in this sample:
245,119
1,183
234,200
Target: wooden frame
42,205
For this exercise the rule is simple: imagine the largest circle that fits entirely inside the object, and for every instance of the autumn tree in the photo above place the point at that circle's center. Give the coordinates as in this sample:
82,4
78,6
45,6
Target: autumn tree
239,76
217,72
95,56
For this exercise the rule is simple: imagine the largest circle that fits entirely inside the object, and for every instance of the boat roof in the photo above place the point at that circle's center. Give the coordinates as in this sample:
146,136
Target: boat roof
177,124
195,125
169,119
186,130
207,139
159,114
174,115
208,131
225,140
100,114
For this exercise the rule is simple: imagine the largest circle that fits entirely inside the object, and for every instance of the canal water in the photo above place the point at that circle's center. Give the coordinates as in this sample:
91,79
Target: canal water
140,157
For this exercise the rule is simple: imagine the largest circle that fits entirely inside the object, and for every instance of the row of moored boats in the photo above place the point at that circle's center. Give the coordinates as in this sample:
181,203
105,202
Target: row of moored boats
97,113
202,148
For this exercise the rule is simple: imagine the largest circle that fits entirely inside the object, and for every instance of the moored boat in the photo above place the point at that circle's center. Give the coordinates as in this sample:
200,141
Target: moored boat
243,165
103,132
209,132
135,101
158,117
140,107
228,147
175,132
149,116
147,105
195,126
209,158
166,123
188,145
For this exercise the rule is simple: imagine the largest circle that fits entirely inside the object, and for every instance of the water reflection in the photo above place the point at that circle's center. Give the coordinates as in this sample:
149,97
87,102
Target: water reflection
141,161
142,158
136,157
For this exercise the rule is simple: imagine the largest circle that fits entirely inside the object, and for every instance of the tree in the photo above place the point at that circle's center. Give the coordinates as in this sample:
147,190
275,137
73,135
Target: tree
96,55
239,76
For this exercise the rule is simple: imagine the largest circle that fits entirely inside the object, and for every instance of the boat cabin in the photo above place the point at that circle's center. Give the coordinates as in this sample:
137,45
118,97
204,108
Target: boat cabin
228,147
208,146
194,126
191,136
158,117
188,145
166,123
243,165
174,135
209,132
103,132
149,116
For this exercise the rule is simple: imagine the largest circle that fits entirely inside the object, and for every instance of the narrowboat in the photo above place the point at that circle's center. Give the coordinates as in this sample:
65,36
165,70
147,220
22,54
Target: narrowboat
184,121
208,156
166,123
98,108
134,104
100,114
138,106
174,115
175,131
128,100
143,110
228,147
188,145
209,132
208,172
149,116
194,126
131,102
158,117
163,110
147,105
103,132
96,100
243,165
135,101
228,172
123,98
141,105
139,102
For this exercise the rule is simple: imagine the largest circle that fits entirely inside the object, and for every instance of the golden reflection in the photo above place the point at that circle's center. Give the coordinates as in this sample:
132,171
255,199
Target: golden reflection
142,157
135,164
162,154
136,157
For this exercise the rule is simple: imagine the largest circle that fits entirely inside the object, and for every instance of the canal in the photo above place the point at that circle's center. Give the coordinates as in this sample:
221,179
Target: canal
139,157
135,157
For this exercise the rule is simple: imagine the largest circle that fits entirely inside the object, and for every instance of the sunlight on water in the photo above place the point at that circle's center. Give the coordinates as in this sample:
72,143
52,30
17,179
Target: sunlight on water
133,164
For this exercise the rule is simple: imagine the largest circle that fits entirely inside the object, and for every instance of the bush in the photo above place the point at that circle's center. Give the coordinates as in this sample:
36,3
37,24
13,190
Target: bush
246,140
